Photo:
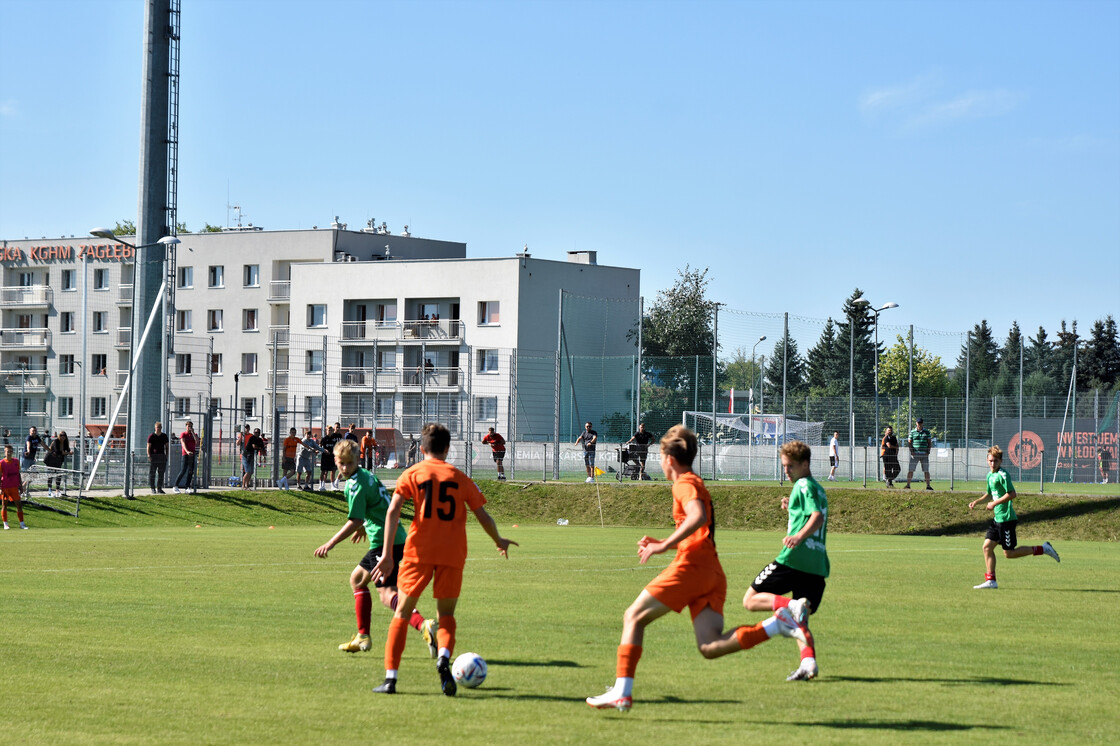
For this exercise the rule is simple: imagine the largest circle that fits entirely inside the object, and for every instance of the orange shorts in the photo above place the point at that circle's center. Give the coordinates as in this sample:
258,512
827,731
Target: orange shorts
413,578
10,494
695,585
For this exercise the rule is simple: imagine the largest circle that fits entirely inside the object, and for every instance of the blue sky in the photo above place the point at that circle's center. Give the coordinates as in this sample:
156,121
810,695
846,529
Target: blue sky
959,158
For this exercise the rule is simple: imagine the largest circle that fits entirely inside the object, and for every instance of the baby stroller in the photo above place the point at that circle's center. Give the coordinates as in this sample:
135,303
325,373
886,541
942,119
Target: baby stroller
628,465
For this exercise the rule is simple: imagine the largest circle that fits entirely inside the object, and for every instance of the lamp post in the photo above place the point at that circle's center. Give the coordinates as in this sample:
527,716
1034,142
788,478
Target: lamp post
876,312
861,301
167,242
750,408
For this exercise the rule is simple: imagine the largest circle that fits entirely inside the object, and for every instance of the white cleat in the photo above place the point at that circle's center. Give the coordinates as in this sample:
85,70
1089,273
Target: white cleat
609,699
801,608
589,480
806,671
986,585
1050,551
788,626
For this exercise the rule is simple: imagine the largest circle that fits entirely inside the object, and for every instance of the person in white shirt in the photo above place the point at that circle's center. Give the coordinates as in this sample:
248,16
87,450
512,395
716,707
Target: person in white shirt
833,456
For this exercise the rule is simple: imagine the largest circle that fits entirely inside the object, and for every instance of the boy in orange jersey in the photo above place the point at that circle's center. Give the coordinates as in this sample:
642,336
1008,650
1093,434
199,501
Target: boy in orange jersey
436,548
291,445
694,579
10,487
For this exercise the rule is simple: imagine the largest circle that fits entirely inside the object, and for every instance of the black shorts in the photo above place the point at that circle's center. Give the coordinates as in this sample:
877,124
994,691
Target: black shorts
288,464
373,556
1003,534
832,461
326,463
499,455
779,579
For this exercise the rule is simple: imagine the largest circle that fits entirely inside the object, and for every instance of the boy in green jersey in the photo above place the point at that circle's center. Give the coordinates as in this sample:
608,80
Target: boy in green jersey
1001,532
802,565
368,500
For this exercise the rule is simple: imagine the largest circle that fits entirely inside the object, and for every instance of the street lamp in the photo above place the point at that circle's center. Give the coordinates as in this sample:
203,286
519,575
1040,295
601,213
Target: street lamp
750,406
876,312
166,242
860,301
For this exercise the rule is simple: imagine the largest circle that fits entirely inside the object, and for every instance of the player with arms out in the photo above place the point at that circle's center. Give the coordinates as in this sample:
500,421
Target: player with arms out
367,500
802,565
1001,531
694,579
436,549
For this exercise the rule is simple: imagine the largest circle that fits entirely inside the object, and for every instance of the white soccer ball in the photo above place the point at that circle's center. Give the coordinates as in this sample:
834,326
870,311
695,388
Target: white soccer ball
469,670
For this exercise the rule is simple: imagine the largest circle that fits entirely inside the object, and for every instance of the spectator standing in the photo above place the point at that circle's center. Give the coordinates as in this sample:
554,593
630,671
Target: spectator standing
920,442
888,448
31,446
498,445
288,462
368,447
641,441
587,440
188,441
833,456
57,453
305,461
1104,463
326,462
413,450
157,459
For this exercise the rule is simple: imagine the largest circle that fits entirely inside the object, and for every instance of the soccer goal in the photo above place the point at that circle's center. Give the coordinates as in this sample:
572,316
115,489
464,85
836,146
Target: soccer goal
745,446
52,488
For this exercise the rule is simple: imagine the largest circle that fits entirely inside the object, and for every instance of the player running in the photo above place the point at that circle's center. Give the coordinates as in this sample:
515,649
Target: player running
802,565
436,548
368,500
694,579
1001,531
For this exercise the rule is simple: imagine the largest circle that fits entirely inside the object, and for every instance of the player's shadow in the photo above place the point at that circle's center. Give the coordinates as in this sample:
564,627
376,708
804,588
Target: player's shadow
542,664
972,526
965,681
876,724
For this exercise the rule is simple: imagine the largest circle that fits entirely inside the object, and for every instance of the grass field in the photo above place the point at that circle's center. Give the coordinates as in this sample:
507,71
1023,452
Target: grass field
168,634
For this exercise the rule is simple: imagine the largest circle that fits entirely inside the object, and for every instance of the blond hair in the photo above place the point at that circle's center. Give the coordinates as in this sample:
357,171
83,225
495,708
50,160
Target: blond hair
797,451
997,452
345,450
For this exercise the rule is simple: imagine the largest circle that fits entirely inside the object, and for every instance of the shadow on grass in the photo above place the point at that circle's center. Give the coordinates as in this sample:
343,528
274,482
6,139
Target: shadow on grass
875,724
968,681
1080,508
550,664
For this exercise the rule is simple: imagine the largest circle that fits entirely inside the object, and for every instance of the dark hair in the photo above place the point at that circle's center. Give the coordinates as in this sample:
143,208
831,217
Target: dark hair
680,443
435,439
797,451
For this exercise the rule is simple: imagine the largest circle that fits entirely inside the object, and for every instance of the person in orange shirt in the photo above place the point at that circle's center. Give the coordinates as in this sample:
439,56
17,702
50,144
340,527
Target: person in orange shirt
291,445
369,451
10,487
436,547
694,579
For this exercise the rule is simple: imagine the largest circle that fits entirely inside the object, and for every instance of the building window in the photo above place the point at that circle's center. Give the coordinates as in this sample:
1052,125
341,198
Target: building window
487,361
183,322
316,315
485,408
186,277
66,365
183,364
214,320
248,407
97,407
249,320
216,363
69,279
97,364
182,406
26,279
249,363
488,312
99,322
66,322
384,406
313,406
100,279
314,361
65,406
217,276
252,275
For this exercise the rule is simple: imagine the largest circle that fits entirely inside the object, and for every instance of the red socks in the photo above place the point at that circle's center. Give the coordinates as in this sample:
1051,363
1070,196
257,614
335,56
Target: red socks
1037,549
417,620
780,602
362,606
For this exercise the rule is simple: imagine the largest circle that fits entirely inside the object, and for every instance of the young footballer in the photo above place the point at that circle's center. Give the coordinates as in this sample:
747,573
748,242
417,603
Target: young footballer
436,549
368,499
291,445
10,486
694,579
1001,531
802,565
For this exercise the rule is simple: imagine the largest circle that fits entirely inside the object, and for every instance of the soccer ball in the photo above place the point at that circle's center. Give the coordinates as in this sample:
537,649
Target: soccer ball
469,670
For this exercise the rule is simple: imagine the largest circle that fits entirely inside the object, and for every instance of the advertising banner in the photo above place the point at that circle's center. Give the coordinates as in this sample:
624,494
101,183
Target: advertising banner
1075,451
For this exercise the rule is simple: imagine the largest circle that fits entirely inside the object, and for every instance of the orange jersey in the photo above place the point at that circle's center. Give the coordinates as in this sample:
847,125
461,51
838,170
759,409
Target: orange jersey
441,495
367,445
291,443
701,543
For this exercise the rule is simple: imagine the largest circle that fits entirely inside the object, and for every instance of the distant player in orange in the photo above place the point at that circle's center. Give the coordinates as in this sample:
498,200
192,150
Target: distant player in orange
10,486
369,451
291,445
694,579
436,548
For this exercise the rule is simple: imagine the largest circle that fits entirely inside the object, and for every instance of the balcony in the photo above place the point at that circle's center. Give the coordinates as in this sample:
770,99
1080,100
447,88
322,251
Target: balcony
363,378
118,379
279,378
25,339
26,296
368,332
443,330
279,335
124,295
26,381
124,338
413,379
280,291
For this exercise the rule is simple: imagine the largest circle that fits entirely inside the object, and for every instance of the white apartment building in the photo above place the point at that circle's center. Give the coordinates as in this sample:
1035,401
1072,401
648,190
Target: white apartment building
320,324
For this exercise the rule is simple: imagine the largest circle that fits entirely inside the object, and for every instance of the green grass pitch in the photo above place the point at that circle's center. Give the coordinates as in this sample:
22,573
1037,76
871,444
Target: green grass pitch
229,636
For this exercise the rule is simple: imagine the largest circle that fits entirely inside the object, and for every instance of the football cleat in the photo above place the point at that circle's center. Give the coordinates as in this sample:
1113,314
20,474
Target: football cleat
446,680
801,608
428,629
788,626
609,699
985,585
360,642
806,671
1050,551
389,687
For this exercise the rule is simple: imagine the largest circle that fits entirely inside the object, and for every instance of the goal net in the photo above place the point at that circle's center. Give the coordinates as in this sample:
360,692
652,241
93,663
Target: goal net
51,488
759,429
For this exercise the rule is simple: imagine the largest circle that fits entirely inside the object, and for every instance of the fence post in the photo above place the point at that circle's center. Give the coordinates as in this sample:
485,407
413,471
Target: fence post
323,393
276,445
715,347
952,464
967,352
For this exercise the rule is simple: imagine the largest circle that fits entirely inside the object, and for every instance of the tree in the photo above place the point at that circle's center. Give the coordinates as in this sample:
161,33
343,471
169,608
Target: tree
181,228
859,348
1009,353
930,377
680,321
1099,359
823,370
207,228
124,228
741,373
1038,355
785,355
1063,354
980,354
